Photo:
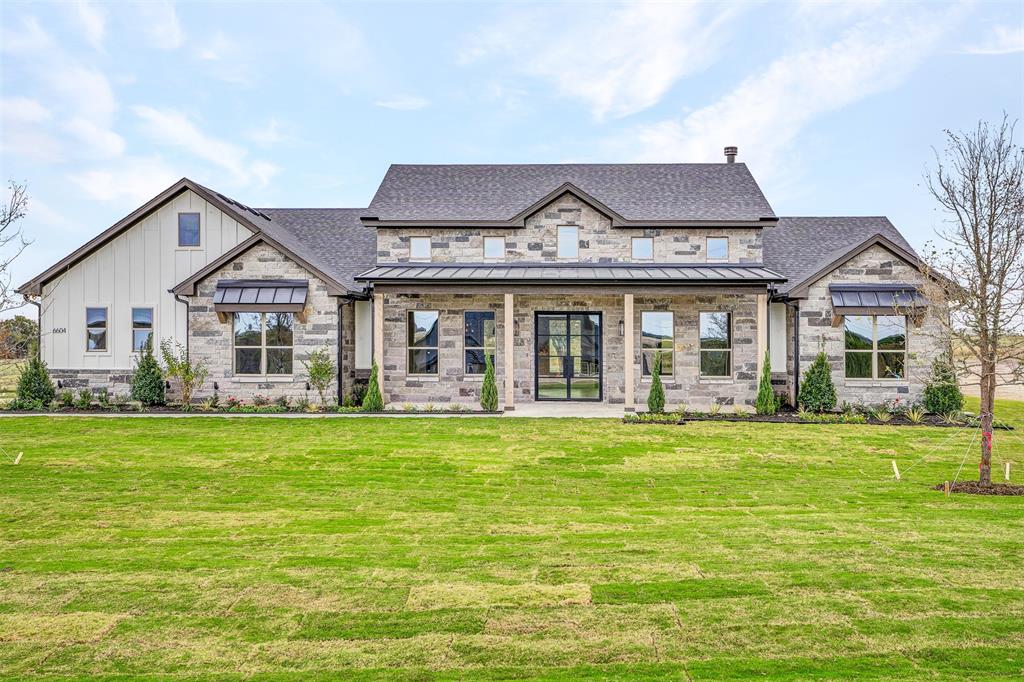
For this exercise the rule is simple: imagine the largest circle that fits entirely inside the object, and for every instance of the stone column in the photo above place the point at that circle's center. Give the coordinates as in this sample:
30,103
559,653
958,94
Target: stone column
762,331
628,360
510,365
378,338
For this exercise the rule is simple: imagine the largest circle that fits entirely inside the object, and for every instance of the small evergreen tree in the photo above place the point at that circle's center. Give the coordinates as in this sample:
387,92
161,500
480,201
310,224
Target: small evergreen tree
147,385
767,403
817,392
320,369
489,391
35,389
942,394
656,398
373,401
190,374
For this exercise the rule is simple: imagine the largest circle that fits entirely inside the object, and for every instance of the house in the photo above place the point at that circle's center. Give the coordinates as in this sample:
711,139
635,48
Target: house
574,278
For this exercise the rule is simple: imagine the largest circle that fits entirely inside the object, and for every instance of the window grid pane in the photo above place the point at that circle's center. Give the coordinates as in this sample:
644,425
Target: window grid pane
479,339
142,328
422,339
263,343
875,346
95,329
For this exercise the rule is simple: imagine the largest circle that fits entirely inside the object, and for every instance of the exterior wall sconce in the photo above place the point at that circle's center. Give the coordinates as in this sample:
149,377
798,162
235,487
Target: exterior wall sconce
216,386
622,327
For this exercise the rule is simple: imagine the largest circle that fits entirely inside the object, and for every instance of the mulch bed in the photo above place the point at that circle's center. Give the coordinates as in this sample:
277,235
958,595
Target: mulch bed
975,488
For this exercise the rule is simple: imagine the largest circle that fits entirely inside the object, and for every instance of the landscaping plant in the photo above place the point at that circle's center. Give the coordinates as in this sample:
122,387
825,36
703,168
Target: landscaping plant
190,374
320,369
489,391
766,401
817,392
147,385
942,393
373,401
656,398
35,389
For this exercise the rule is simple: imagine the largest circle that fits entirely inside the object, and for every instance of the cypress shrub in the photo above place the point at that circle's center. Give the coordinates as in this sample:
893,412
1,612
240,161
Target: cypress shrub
148,380
656,398
817,392
35,389
767,403
942,393
489,391
373,401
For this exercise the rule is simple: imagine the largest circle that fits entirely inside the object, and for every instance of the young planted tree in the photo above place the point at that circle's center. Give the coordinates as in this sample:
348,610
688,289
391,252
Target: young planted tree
148,379
766,401
320,370
190,375
489,391
817,392
656,397
373,401
942,393
35,389
979,183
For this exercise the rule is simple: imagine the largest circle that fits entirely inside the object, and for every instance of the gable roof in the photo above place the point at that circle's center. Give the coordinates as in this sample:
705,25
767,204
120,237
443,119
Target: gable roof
633,194
805,248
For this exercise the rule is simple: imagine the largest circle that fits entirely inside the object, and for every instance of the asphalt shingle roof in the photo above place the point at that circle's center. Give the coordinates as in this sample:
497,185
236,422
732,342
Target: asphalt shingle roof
637,192
799,247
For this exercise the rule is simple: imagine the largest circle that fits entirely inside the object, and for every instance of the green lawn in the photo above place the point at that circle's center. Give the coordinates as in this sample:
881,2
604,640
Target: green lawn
495,548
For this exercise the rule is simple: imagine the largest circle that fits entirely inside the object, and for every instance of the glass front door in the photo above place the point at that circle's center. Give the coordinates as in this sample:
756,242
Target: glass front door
568,352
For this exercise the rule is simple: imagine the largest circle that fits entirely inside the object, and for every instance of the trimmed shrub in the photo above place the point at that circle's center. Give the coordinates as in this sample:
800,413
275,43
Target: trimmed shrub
942,393
489,391
767,403
373,401
148,380
34,384
656,398
817,392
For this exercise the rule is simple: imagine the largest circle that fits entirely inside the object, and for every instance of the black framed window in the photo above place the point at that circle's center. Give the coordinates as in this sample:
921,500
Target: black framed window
188,229
657,339
422,340
264,343
716,344
876,346
142,328
479,341
95,330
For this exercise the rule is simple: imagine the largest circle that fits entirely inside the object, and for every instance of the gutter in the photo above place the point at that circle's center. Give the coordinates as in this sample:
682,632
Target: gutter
180,299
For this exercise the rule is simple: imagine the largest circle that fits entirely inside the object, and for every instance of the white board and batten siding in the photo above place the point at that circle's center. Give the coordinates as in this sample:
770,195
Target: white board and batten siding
133,270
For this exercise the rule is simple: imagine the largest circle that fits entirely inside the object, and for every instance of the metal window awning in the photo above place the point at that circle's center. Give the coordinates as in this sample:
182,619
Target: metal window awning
260,295
875,299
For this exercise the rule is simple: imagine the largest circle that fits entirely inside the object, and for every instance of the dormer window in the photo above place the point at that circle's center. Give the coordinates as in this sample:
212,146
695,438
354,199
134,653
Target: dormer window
717,249
568,242
494,248
643,248
419,249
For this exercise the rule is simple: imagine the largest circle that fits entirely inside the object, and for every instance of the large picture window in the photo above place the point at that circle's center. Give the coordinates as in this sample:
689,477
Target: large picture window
142,328
479,341
263,343
422,342
876,346
716,344
657,337
95,330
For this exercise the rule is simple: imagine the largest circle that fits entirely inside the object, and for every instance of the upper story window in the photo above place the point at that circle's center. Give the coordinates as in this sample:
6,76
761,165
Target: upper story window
643,248
422,342
95,329
494,248
657,339
718,249
716,344
142,328
263,343
876,346
568,241
188,229
479,341
419,248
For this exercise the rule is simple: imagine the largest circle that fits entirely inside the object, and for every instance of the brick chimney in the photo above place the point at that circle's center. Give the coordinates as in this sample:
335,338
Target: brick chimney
730,154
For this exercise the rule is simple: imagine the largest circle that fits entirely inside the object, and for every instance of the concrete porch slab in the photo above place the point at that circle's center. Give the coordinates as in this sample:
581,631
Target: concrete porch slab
567,409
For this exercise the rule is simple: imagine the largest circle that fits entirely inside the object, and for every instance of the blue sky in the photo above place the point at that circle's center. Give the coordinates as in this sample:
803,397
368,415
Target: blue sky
835,107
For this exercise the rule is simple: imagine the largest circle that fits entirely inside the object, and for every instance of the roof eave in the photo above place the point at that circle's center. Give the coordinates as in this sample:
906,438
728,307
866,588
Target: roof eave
800,289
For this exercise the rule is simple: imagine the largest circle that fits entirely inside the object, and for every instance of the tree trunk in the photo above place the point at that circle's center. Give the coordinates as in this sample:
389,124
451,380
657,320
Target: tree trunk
988,397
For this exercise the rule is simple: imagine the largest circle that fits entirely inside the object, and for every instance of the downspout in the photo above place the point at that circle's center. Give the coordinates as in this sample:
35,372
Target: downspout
179,299
341,343
39,325
796,351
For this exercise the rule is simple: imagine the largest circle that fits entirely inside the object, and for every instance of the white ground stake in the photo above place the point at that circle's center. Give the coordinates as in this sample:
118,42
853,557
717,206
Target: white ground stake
895,470
18,458
1006,473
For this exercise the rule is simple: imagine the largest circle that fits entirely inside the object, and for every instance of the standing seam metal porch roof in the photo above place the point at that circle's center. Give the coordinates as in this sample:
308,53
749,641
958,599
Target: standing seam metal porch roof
651,273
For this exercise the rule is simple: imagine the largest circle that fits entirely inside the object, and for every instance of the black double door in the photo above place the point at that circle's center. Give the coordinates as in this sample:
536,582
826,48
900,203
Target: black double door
568,352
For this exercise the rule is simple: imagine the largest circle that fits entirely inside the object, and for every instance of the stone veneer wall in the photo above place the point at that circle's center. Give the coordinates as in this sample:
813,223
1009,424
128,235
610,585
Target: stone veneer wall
453,385
116,381
924,343
211,340
599,241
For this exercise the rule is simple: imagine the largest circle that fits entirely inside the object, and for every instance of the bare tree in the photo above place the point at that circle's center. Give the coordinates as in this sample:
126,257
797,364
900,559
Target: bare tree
979,183
12,242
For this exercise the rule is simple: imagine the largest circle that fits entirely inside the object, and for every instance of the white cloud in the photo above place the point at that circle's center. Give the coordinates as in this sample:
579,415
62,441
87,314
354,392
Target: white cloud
29,38
765,113
1002,40
175,129
160,24
93,21
23,133
99,141
225,59
620,62
129,179
403,103
270,134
